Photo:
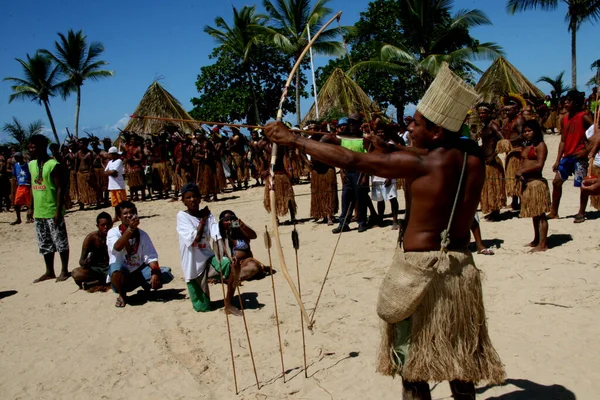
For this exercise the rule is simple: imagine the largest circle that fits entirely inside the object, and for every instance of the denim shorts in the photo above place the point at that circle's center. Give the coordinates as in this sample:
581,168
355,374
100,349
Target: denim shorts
165,273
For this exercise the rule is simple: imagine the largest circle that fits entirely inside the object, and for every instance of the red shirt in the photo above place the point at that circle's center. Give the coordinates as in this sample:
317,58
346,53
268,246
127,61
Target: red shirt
575,134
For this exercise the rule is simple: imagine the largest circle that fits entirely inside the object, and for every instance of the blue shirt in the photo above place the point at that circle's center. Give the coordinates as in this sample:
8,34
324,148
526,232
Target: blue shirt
22,175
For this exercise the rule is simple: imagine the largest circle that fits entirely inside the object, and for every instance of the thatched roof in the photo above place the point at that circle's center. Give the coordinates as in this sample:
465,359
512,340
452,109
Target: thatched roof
157,102
341,95
501,78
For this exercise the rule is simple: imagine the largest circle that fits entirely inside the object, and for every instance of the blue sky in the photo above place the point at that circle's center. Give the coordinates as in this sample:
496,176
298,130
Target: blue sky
148,39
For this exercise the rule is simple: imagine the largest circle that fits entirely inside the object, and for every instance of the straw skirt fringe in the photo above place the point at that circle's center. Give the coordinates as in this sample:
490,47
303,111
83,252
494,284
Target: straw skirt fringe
135,178
102,179
493,194
284,195
86,184
323,194
208,182
595,200
178,179
448,337
73,192
161,176
503,146
536,199
512,165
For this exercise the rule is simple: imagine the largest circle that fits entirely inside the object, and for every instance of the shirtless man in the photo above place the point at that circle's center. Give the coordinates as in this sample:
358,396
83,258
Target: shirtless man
256,156
135,179
433,179
493,195
513,131
86,180
237,147
93,262
100,161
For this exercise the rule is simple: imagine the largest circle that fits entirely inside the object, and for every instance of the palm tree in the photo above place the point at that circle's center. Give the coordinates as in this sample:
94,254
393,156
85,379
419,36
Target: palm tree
78,62
292,19
432,37
578,12
20,133
38,85
557,83
241,38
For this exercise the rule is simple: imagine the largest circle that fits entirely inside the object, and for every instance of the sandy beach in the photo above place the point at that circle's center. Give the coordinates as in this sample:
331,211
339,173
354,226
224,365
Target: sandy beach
59,342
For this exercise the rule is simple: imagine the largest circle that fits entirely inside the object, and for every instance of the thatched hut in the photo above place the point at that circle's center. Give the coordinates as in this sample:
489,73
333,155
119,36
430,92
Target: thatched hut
501,78
158,102
340,95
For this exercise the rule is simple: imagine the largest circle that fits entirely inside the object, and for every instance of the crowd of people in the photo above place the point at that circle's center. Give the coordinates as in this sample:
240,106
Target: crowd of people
428,156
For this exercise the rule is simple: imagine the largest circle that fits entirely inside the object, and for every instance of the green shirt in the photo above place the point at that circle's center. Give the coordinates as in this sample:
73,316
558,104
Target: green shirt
45,199
354,145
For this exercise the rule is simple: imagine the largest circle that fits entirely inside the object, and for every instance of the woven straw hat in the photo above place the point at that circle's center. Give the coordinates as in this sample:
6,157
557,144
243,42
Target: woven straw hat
447,100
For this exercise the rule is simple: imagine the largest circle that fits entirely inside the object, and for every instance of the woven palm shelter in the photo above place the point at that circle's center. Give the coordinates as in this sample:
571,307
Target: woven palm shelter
341,95
501,78
158,102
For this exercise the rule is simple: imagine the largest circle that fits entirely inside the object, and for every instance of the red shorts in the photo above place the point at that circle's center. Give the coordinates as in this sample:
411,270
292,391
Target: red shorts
23,196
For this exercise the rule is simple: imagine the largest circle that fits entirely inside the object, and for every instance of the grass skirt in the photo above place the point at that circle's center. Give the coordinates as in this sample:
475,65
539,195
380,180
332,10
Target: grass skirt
284,195
323,194
446,336
73,193
178,178
241,167
401,184
595,200
135,178
102,179
536,199
87,185
493,194
221,178
208,182
512,165
161,176
503,146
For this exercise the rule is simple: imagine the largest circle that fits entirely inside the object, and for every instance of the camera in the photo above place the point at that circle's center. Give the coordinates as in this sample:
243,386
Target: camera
235,223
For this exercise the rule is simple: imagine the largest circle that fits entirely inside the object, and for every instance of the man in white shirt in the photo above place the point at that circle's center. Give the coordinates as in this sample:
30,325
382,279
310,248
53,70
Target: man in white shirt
132,257
116,180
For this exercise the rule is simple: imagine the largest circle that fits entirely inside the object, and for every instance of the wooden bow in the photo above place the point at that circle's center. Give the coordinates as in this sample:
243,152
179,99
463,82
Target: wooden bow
274,221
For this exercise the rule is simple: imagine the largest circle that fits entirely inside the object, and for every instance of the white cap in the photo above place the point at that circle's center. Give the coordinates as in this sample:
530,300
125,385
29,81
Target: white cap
113,150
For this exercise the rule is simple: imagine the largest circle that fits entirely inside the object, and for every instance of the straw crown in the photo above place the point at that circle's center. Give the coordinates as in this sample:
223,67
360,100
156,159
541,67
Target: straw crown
447,100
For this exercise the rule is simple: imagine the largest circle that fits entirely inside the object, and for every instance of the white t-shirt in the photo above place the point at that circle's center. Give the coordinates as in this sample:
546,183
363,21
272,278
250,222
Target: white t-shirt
195,255
146,253
405,137
118,182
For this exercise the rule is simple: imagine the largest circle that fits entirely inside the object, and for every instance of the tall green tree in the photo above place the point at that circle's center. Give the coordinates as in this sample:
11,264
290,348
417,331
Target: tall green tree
431,36
557,83
21,133
241,38
39,84
578,13
78,62
224,93
291,20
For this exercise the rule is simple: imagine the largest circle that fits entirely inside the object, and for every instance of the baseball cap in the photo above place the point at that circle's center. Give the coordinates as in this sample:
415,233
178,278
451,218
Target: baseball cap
342,121
113,150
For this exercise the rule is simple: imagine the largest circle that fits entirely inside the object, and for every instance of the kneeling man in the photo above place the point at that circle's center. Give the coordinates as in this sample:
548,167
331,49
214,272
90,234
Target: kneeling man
132,256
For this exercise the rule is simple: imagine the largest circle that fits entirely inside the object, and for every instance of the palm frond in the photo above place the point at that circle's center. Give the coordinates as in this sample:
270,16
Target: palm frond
375,66
514,6
469,19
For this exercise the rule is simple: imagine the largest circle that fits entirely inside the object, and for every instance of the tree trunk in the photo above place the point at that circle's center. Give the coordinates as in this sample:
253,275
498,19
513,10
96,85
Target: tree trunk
298,113
77,106
254,101
574,58
52,123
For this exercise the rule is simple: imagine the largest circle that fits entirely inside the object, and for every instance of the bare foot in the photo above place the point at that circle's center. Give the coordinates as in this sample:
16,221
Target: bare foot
231,310
44,277
395,226
329,222
63,277
532,244
486,252
17,222
552,216
29,221
537,249
120,303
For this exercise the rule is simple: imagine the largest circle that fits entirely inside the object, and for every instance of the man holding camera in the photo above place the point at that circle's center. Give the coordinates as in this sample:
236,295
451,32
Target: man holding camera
132,257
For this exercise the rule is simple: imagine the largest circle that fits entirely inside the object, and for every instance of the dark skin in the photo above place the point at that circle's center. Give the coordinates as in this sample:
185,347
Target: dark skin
431,177
94,243
120,281
514,133
557,182
19,160
191,200
40,154
591,184
531,169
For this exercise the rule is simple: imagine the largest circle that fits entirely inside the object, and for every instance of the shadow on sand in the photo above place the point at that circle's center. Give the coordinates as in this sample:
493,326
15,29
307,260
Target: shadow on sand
528,390
558,239
249,300
7,293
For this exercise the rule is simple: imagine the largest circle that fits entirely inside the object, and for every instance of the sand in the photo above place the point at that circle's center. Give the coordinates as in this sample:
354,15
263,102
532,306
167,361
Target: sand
59,342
